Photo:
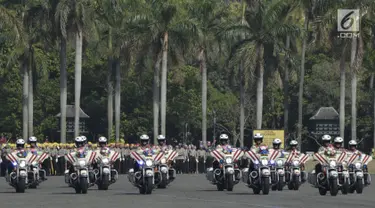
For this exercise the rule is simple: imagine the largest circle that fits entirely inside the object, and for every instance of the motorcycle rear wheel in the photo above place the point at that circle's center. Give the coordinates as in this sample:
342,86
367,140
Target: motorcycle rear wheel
163,183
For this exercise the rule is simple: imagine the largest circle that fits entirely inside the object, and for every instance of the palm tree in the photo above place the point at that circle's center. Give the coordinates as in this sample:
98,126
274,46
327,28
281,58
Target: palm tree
207,15
264,23
76,15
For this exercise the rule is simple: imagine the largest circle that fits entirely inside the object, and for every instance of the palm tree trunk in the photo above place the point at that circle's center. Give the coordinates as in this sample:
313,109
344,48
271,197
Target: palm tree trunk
301,83
25,85
286,91
242,85
342,93
77,81
164,84
260,74
373,105
353,89
242,103
63,90
30,101
203,66
117,100
110,88
156,96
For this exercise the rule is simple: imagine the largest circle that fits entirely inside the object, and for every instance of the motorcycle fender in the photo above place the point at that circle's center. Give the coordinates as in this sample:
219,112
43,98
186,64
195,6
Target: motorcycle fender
230,170
83,173
164,169
149,173
280,172
359,174
106,171
23,173
333,174
265,172
297,172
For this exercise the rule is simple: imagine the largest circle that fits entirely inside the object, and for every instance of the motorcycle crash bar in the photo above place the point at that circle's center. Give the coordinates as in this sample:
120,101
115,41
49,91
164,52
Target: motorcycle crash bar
73,176
96,171
137,175
254,174
13,175
217,172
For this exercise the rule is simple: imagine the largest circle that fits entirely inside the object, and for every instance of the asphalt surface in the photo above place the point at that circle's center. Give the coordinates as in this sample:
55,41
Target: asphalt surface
185,192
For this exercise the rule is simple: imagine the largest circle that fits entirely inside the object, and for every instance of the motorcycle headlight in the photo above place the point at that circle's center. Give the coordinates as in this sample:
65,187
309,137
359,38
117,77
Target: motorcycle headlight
82,163
163,161
105,161
264,162
279,163
228,160
295,163
358,165
22,164
332,164
148,162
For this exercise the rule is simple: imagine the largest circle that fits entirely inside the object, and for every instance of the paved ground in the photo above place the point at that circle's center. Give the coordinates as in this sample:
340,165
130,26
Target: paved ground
187,191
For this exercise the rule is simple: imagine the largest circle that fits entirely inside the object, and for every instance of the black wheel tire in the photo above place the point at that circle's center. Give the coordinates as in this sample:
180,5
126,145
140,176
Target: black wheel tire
84,185
359,187
334,188
21,185
322,191
256,190
230,183
265,186
163,183
280,184
345,188
149,185
220,187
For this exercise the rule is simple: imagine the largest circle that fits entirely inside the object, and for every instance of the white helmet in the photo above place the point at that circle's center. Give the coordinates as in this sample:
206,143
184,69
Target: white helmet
145,137
338,140
352,142
83,138
224,136
79,139
326,138
161,137
32,139
276,141
20,141
258,136
293,143
102,139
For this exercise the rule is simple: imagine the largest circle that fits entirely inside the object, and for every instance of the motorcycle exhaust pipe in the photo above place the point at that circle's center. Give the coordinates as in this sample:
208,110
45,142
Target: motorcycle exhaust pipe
73,176
137,175
217,172
254,174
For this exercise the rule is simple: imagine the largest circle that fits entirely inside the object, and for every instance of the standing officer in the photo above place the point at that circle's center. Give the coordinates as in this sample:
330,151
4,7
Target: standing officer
193,157
201,159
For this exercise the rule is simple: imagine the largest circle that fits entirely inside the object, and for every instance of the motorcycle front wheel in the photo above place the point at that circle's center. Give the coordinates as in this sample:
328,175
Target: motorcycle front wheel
230,182
163,183
148,185
21,185
334,188
265,185
359,186
84,185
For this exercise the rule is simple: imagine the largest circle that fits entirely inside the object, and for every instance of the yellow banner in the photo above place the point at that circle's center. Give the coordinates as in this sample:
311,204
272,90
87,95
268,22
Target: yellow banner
270,135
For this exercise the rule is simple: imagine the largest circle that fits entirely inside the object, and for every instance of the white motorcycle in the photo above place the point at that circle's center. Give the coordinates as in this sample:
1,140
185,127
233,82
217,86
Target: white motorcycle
328,178
278,179
36,175
295,174
358,175
227,174
105,174
81,177
18,177
168,174
259,179
146,178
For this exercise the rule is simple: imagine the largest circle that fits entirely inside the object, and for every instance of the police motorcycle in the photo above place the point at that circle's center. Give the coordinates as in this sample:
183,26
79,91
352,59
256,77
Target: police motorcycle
146,178
23,175
260,178
227,174
81,176
278,178
294,170
168,174
104,173
36,175
358,175
328,179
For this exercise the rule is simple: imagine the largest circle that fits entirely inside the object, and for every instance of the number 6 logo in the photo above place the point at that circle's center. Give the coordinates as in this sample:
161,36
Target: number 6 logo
346,19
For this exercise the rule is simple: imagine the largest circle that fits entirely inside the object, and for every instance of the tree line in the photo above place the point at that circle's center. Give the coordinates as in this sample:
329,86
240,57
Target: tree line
172,67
